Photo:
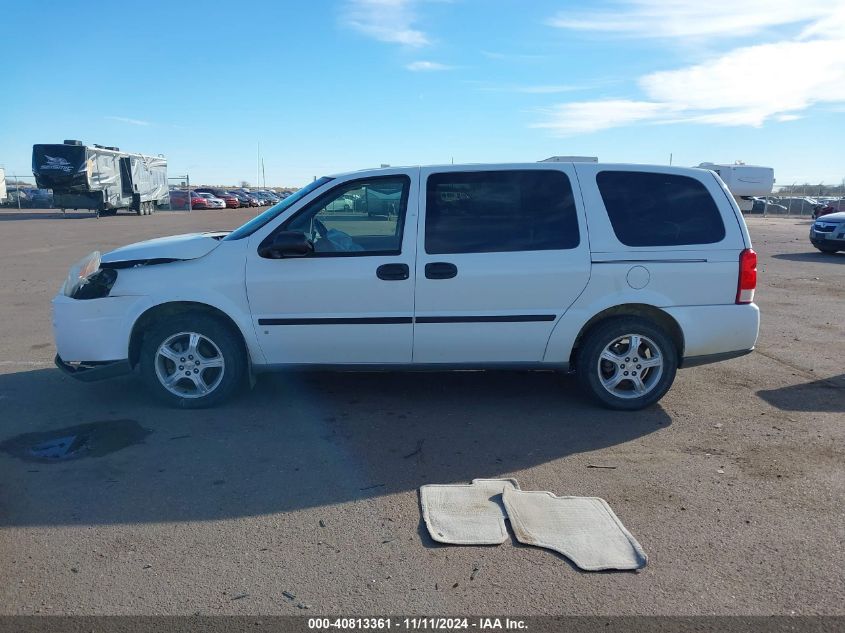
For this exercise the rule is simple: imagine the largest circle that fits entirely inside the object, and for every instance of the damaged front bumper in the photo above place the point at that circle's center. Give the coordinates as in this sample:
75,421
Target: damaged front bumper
93,331
94,370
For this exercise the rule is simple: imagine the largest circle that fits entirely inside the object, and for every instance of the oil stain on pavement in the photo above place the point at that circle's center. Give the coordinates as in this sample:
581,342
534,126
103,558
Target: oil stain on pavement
94,439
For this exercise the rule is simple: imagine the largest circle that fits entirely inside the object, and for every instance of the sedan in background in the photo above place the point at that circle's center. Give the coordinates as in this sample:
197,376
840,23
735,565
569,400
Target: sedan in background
243,200
213,201
179,200
230,199
265,197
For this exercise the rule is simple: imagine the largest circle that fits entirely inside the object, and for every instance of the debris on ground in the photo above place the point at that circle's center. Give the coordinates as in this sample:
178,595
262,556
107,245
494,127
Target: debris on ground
583,529
601,466
289,595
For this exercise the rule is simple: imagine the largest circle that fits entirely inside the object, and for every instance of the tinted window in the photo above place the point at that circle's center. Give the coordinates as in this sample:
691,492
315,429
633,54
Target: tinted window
499,211
648,209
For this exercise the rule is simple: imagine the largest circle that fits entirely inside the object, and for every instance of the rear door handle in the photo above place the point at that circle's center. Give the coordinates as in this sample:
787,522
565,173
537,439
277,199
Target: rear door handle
440,270
393,272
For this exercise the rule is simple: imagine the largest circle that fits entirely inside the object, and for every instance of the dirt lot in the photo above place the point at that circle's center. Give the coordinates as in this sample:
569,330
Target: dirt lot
734,484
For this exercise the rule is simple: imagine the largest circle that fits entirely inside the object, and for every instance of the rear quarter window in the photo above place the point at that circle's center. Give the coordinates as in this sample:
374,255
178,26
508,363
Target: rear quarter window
653,209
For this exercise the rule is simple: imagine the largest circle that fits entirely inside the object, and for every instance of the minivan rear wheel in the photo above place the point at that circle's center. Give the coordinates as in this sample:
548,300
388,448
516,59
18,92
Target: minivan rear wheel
627,363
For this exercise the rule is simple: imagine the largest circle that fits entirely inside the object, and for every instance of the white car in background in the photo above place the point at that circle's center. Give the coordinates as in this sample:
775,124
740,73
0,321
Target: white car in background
213,201
620,273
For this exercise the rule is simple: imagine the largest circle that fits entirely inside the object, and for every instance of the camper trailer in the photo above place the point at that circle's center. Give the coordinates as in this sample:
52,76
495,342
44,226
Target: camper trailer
102,179
744,181
3,194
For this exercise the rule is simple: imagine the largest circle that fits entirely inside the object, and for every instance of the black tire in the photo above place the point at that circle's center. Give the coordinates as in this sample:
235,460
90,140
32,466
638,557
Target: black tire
220,333
587,368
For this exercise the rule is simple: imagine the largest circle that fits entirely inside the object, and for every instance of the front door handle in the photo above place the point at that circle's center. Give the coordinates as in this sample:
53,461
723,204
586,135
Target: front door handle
440,270
393,272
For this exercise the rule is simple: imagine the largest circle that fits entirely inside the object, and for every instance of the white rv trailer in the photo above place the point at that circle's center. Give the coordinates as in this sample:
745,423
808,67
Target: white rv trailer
744,181
2,186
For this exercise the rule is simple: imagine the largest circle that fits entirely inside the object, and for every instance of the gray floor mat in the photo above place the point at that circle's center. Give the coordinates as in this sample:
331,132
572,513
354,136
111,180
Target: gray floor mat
584,529
466,514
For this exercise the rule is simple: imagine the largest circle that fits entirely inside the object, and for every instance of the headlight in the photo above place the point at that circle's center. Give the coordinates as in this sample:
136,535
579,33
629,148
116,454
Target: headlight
81,271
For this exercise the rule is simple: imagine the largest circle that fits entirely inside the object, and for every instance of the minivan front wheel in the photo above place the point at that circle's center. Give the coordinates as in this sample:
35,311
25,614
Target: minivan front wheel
192,361
627,363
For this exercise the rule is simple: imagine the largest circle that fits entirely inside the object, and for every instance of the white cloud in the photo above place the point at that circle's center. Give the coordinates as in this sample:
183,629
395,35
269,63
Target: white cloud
745,86
123,119
424,66
385,20
591,116
694,18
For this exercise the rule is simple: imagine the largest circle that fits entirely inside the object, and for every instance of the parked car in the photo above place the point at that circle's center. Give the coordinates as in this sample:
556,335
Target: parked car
251,200
266,197
620,273
827,234
760,205
41,199
213,201
179,200
231,201
243,200
831,206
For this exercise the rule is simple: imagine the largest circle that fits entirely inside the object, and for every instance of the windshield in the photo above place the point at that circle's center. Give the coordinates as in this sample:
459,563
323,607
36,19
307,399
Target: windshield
275,211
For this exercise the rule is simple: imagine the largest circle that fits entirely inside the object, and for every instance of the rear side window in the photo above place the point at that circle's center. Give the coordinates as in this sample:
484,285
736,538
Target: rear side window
649,209
499,211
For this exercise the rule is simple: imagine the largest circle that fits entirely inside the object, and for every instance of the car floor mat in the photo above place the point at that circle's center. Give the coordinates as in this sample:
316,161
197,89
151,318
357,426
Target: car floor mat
466,514
584,529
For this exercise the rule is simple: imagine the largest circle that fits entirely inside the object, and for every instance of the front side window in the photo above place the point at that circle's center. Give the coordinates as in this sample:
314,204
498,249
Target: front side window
651,209
499,211
359,217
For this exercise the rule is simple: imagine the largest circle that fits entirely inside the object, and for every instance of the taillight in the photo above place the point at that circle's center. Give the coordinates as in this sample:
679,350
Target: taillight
747,276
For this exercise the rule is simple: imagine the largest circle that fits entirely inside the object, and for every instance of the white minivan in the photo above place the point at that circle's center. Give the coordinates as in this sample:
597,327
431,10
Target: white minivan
620,273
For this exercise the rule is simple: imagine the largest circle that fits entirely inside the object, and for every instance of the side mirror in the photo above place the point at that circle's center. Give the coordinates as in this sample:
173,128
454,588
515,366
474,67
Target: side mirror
287,244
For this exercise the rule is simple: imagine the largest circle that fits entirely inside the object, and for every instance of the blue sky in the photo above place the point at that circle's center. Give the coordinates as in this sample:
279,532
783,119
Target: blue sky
329,86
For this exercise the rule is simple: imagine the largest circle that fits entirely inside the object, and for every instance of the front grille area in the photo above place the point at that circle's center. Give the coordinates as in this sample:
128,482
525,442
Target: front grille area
824,228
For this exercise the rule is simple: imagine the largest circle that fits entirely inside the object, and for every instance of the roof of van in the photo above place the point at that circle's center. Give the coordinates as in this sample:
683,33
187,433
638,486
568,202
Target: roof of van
518,166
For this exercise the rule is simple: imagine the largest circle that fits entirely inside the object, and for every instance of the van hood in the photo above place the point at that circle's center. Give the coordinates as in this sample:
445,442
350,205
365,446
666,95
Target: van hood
164,249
